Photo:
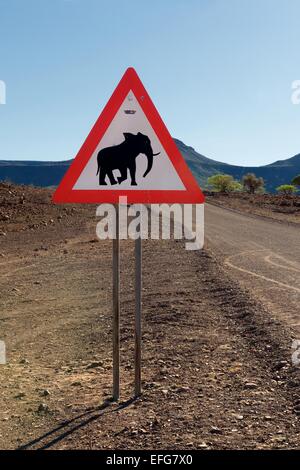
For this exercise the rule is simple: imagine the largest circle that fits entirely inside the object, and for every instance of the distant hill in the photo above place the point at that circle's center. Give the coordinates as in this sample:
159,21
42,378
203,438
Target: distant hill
275,174
37,173
40,173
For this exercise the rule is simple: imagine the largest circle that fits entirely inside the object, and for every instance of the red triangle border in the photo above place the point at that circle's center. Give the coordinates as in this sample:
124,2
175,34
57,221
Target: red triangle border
65,192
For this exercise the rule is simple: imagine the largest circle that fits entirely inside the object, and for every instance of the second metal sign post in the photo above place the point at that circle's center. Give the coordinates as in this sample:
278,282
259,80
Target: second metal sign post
116,311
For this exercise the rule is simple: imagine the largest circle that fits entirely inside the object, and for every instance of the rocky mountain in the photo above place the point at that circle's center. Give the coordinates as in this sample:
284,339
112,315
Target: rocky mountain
274,174
39,173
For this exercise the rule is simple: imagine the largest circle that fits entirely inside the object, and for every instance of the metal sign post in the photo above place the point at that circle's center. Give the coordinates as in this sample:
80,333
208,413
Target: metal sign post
116,309
138,313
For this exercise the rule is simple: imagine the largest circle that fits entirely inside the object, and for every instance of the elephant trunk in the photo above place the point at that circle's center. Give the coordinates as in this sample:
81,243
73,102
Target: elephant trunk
150,162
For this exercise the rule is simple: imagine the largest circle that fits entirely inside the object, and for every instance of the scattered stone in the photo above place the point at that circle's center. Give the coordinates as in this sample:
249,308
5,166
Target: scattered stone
268,418
45,393
43,408
278,439
281,365
95,364
216,430
250,385
143,431
20,395
76,384
155,423
297,409
294,383
122,431
239,417
182,389
203,445
24,361
152,385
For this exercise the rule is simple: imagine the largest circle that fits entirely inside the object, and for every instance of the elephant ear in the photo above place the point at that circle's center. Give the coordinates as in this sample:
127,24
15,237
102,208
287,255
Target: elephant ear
128,135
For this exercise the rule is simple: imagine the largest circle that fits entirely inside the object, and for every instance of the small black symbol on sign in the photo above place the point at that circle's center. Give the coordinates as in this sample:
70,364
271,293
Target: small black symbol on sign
122,157
129,111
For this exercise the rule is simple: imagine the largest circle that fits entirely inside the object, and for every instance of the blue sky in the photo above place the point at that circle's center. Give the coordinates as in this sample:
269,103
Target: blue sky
219,72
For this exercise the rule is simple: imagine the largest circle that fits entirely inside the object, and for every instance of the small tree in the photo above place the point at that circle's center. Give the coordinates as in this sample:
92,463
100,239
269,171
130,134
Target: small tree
296,181
236,186
286,189
252,183
224,183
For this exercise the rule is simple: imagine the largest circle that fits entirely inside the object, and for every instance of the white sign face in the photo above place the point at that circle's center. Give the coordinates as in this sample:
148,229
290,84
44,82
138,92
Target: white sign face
122,161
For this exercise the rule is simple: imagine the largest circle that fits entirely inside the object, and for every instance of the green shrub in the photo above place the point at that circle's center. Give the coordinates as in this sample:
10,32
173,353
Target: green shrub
224,183
286,189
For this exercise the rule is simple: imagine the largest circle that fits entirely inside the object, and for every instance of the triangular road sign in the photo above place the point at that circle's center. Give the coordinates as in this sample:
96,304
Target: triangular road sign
129,152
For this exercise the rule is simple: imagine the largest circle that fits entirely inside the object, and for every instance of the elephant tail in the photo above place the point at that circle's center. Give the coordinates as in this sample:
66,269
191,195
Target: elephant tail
98,169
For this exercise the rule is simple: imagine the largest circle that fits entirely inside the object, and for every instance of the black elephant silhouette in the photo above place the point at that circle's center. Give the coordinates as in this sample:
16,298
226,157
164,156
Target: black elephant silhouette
122,157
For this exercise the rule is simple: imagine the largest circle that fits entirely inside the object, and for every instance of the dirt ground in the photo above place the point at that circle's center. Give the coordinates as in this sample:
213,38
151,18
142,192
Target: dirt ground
278,207
217,370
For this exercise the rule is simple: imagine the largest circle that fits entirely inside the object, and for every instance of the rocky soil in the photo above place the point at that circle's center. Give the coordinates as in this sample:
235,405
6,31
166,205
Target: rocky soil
217,370
279,207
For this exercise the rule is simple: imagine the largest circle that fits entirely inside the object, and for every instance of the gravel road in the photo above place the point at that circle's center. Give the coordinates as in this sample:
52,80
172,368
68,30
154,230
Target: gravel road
264,255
